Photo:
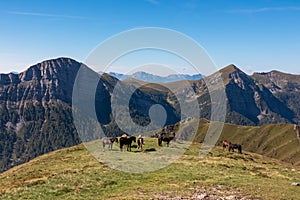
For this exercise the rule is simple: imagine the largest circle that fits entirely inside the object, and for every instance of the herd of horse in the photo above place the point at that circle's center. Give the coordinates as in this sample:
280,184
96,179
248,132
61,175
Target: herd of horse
128,140
231,147
124,141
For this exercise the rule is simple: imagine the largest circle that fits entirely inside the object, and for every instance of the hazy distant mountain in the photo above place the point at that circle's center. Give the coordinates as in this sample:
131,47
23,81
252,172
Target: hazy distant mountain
147,77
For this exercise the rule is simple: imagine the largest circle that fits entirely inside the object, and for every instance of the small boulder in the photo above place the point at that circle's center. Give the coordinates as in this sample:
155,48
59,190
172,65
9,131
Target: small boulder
295,184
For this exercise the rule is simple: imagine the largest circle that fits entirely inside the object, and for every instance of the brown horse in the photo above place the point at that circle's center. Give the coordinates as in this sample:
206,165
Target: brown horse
140,142
225,144
231,147
166,138
109,141
235,146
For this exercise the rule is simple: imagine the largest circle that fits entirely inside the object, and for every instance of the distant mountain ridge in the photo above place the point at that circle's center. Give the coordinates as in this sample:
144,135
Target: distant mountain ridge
147,77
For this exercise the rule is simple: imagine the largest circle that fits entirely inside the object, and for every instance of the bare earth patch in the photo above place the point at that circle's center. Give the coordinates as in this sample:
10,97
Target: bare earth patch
213,193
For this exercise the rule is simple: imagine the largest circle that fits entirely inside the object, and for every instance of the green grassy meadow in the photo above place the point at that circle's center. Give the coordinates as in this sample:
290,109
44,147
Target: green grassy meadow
73,173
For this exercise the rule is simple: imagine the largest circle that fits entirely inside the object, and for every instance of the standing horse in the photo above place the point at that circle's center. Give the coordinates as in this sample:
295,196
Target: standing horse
127,141
166,138
225,144
140,142
109,142
235,146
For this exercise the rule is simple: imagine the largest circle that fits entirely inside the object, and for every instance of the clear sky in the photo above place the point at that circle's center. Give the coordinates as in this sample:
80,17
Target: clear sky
254,35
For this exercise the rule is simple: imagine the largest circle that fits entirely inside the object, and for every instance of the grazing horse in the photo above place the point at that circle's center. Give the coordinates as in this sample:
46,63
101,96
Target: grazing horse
166,138
235,146
225,144
109,141
140,142
127,141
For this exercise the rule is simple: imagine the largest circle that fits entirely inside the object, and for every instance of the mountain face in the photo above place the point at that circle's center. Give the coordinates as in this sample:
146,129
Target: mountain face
285,87
143,76
258,99
36,105
35,112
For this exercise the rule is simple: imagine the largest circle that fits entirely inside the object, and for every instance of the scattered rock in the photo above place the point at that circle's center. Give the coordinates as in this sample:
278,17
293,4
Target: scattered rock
295,184
231,197
202,196
212,193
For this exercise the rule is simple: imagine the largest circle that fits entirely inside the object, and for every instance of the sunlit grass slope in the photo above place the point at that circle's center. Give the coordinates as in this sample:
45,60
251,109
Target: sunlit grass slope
73,173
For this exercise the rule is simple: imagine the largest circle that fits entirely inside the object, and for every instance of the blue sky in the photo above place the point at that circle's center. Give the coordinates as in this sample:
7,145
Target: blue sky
254,35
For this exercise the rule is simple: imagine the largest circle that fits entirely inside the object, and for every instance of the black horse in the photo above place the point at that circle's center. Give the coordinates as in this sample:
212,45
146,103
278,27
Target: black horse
165,138
109,141
127,141
231,147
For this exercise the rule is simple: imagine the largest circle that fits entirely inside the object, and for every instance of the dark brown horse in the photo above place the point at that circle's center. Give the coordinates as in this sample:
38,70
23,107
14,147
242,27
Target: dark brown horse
109,141
127,141
164,137
235,146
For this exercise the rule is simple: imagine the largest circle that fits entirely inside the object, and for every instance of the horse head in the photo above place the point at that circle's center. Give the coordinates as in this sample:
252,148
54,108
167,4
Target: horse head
134,138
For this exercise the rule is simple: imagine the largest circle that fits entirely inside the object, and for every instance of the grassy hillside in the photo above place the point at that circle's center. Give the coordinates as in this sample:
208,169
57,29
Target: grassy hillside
73,173
274,140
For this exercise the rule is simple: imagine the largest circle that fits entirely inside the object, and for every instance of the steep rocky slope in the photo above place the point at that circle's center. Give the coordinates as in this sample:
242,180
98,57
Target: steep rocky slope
250,101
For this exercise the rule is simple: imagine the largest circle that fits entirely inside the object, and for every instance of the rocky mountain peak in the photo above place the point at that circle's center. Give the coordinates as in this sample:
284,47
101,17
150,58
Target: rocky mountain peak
232,74
50,79
230,69
49,69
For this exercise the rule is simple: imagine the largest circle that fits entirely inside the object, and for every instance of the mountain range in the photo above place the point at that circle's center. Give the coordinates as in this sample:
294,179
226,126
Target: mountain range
36,105
147,77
